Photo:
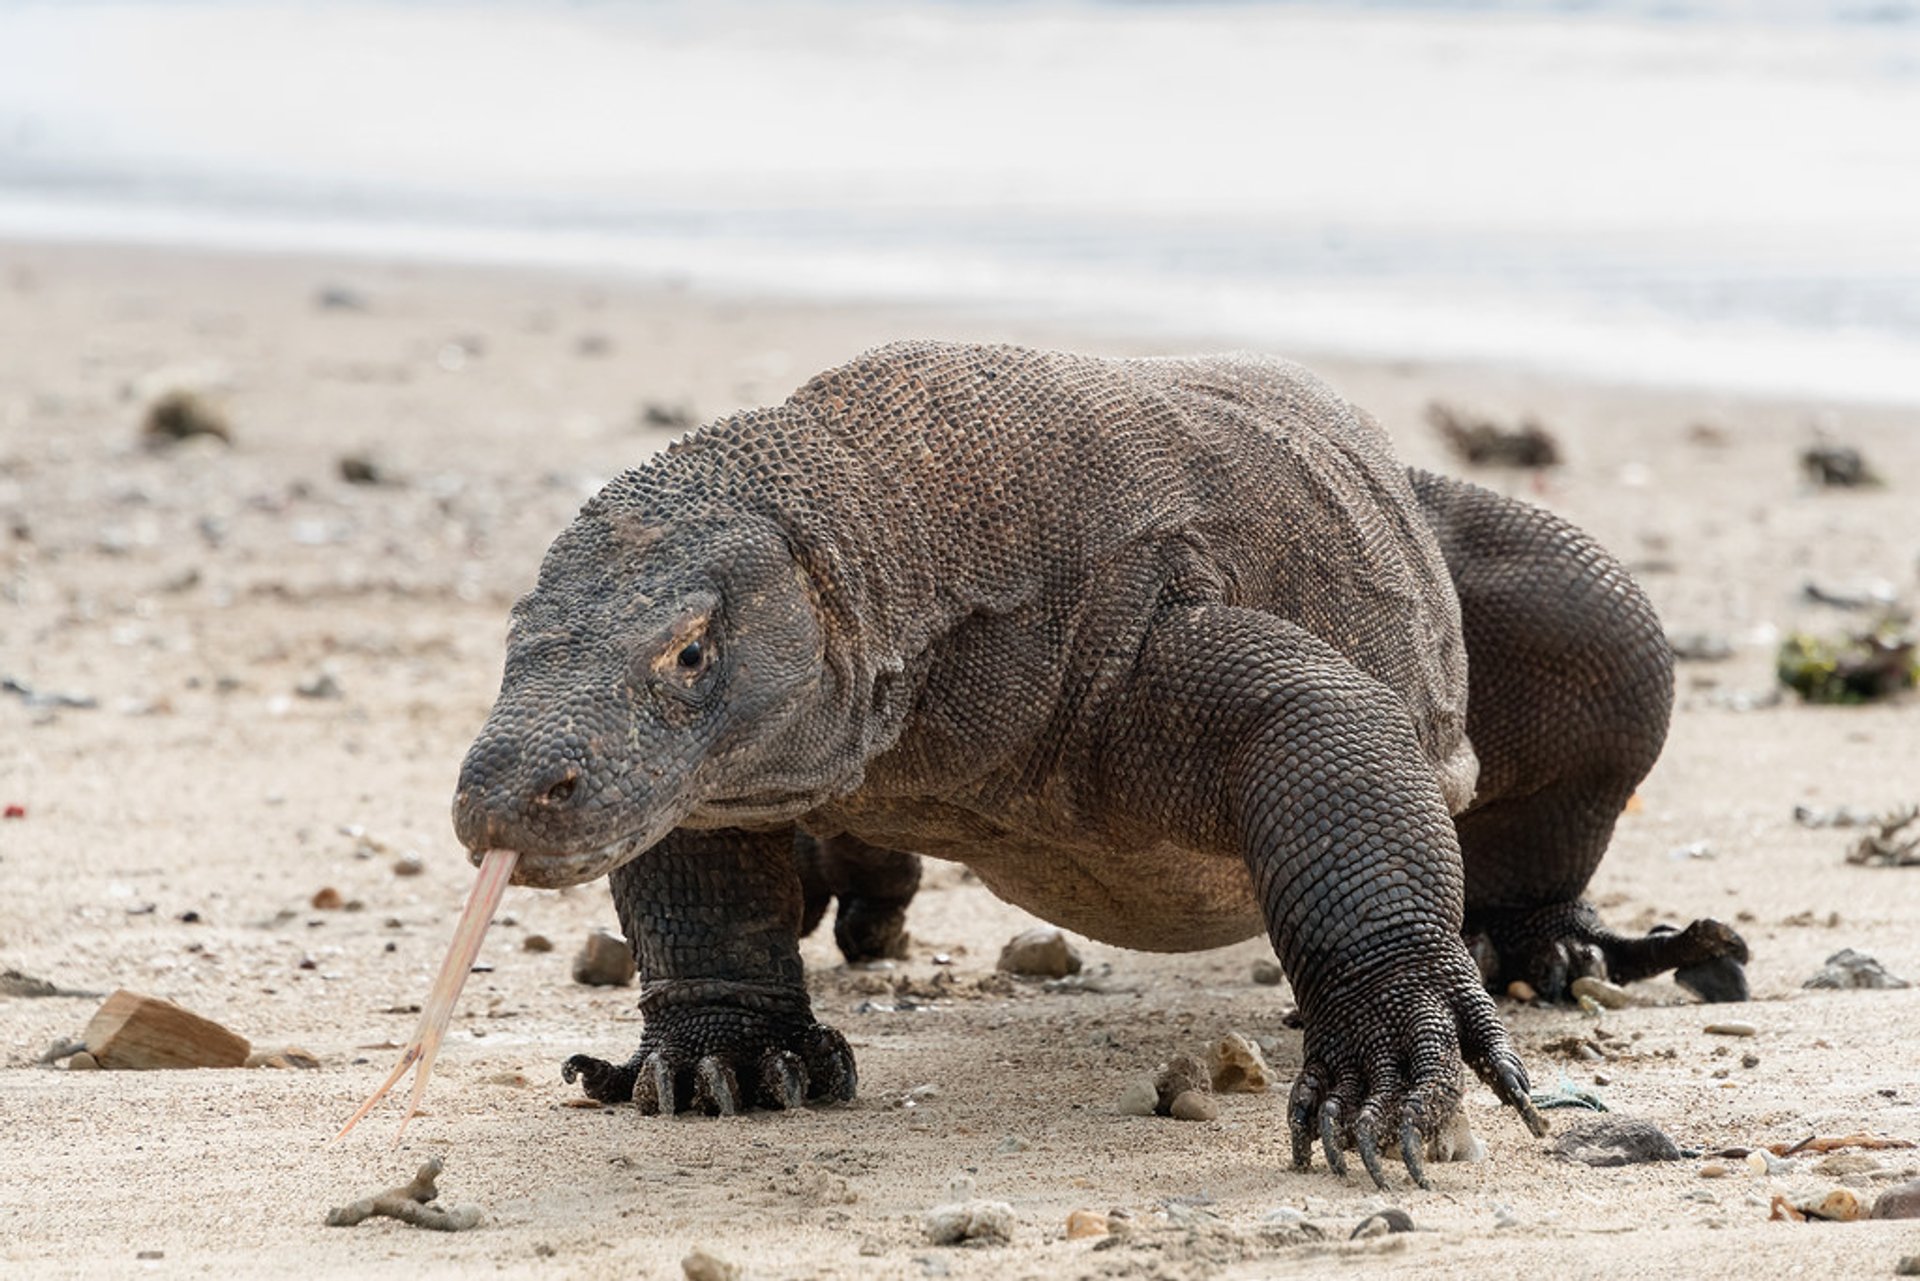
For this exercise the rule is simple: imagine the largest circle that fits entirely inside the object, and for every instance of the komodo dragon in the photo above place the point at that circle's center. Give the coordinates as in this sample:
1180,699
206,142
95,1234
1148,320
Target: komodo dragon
1166,651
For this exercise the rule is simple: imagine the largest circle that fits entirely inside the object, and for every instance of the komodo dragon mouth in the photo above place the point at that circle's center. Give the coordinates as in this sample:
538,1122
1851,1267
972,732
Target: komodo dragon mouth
557,871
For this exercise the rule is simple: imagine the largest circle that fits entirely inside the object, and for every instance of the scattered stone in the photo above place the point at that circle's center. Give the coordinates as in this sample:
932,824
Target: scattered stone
1733,1028
135,1031
180,415
1481,441
1616,1140
1700,647
409,864
666,416
291,1057
1837,816
320,685
1841,1205
14,983
1041,952
985,1222
409,1203
1840,1164
1456,1141
1522,991
1191,1105
1835,466
83,1062
1140,1098
1082,1224
339,298
1875,594
699,1265
1850,969
361,469
1178,1075
1236,1066
1381,1223
604,960
1267,973
1602,993
536,943
1902,1202
1012,1145
1884,847
1909,1266
1714,1170
328,899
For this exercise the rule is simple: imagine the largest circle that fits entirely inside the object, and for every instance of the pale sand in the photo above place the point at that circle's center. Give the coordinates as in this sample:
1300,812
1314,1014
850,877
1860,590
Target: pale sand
202,783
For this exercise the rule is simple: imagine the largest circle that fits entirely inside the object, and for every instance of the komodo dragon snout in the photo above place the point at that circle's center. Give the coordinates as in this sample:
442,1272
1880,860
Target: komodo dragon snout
635,669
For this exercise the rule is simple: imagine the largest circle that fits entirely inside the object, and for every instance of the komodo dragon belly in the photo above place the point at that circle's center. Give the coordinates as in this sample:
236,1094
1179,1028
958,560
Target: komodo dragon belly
1155,897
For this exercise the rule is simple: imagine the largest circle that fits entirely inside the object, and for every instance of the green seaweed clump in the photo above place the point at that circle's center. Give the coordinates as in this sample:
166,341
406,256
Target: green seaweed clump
1861,668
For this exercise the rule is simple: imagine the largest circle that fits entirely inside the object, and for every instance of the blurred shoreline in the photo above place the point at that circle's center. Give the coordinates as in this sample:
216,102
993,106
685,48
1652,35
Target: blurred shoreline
1714,196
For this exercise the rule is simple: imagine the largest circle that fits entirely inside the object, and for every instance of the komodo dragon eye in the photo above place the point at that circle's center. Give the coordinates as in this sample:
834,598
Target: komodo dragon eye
692,656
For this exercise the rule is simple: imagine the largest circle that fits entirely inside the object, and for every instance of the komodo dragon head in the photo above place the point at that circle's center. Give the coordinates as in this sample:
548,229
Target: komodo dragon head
660,673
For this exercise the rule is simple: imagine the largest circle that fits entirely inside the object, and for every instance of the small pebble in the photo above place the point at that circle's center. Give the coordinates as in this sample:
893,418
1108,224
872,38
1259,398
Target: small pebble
328,899
1140,1098
1607,995
1614,1141
1909,1266
1902,1202
1191,1105
989,1222
1839,1164
1522,991
1842,1205
409,864
1011,1145
536,943
604,960
1850,969
1749,1060
83,1062
1714,1170
1456,1141
1378,1225
702,1266
1176,1076
1731,1029
1085,1223
1268,973
1042,952
1235,1065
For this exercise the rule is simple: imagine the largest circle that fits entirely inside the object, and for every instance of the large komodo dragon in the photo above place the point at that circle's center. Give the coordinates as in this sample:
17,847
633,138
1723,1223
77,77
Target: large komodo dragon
1166,651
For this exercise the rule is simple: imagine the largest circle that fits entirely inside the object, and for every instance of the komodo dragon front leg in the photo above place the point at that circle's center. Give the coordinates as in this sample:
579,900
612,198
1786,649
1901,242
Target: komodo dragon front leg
714,919
1244,734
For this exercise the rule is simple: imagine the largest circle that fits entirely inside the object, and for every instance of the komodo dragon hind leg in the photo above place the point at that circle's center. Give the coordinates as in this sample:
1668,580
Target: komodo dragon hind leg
1570,685
714,919
874,885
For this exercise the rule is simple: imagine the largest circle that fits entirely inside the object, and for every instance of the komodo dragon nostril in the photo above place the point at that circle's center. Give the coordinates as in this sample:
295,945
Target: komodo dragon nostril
559,793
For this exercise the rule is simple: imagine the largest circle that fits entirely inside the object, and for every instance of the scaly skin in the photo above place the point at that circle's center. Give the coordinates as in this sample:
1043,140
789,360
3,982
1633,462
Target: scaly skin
1167,651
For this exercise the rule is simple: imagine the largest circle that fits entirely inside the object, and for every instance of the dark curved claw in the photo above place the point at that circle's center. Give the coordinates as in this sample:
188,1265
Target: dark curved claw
1301,1109
1510,1083
1410,1145
1330,1137
715,1087
600,1080
830,1066
783,1080
1363,1139
654,1089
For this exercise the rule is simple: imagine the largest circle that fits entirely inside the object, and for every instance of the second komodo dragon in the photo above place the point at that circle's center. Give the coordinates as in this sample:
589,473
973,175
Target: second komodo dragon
1167,651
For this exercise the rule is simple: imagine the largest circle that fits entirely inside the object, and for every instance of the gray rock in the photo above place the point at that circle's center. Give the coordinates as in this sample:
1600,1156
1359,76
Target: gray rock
1902,1202
1616,1140
702,1266
604,960
986,1222
1268,973
1140,1098
1042,952
1850,969
1191,1105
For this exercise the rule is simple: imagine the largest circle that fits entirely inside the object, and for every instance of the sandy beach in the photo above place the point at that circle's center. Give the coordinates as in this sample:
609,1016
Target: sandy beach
239,679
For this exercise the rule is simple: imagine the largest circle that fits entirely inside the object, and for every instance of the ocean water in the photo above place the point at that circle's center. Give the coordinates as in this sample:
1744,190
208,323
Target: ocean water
1702,192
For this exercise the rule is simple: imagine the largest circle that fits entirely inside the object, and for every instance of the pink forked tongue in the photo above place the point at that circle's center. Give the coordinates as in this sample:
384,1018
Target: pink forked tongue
495,868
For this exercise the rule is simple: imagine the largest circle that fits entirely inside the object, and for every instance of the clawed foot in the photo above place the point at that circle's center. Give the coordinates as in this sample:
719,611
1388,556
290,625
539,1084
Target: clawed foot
722,1060
1552,946
1383,1069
